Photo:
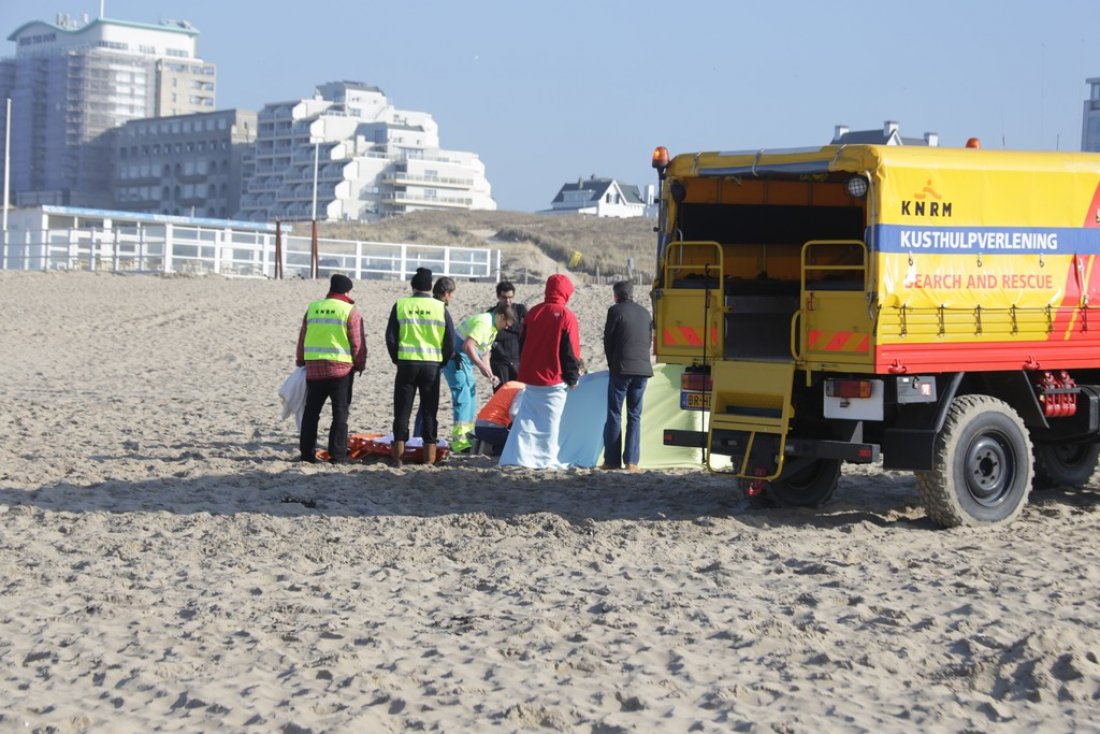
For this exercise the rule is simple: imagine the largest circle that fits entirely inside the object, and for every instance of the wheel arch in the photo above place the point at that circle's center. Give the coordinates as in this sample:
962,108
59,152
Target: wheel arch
908,444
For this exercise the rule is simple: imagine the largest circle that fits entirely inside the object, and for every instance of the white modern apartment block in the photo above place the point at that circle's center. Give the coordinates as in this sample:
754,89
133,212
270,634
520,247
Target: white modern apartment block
358,157
72,80
1090,119
601,197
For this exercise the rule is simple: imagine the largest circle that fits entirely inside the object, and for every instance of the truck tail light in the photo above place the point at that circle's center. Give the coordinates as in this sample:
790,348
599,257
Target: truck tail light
695,381
848,388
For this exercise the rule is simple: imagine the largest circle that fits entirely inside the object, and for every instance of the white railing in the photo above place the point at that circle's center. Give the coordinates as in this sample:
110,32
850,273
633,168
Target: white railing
359,259
175,248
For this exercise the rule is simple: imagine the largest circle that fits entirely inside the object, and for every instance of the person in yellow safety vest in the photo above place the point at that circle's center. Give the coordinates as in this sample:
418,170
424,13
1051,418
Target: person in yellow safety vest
331,346
420,339
443,290
475,337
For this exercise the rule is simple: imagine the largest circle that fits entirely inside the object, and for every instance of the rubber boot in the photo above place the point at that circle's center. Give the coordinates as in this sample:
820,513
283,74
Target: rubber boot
398,454
429,454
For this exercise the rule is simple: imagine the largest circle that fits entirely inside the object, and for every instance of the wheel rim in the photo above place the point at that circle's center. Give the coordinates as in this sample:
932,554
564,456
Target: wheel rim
990,468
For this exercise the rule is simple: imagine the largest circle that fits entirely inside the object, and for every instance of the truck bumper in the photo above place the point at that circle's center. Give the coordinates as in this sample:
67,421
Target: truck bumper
736,443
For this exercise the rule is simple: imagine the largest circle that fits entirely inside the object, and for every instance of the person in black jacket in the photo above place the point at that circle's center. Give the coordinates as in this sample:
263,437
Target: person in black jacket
627,342
504,356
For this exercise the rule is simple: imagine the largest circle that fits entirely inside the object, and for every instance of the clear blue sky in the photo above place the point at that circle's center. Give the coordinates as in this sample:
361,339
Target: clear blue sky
549,91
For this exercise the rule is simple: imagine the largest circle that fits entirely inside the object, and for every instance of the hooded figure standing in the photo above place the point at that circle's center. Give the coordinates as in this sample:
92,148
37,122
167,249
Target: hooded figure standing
419,338
331,346
550,365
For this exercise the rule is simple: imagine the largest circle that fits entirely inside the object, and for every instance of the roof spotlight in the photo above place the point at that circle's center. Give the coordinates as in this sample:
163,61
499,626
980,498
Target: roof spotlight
857,186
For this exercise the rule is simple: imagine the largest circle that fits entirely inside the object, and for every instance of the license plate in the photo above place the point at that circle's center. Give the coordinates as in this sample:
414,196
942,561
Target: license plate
695,400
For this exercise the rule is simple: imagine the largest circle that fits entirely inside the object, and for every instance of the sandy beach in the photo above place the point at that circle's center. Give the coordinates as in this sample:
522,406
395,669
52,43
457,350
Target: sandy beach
165,564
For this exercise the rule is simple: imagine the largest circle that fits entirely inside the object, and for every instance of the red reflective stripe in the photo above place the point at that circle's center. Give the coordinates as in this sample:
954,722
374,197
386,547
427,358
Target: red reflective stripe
864,344
836,344
691,336
813,336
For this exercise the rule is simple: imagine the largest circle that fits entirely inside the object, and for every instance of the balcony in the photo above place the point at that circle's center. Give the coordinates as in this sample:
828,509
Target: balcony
400,198
404,178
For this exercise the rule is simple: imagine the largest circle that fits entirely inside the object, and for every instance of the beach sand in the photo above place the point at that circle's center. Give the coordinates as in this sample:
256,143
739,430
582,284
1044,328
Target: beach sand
165,564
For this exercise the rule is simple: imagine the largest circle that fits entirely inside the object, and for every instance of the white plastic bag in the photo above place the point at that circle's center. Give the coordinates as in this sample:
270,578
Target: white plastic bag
293,394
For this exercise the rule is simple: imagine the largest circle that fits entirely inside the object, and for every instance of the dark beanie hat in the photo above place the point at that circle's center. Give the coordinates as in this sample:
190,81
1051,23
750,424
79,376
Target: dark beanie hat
339,283
422,281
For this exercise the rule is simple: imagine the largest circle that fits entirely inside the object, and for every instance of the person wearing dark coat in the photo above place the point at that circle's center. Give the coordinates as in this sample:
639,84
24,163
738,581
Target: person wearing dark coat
420,339
627,342
504,356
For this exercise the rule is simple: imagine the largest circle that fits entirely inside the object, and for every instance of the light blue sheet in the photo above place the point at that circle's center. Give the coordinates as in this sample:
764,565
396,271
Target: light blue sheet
580,439
533,441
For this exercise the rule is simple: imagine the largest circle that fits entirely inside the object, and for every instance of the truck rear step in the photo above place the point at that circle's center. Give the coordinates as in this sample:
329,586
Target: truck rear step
753,398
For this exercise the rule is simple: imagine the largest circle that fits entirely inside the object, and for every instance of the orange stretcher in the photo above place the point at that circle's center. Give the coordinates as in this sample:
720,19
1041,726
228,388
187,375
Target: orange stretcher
368,446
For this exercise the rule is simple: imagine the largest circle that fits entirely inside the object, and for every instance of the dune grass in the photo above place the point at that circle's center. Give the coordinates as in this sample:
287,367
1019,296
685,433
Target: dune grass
537,244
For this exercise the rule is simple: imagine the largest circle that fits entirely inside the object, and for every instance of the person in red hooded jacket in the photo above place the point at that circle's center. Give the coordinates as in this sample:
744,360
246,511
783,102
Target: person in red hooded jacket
550,364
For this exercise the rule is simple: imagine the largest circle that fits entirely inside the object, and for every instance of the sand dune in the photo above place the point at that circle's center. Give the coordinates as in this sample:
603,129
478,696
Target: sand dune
166,566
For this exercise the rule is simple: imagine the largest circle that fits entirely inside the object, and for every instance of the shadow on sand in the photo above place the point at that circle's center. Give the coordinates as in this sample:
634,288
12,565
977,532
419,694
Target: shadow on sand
474,485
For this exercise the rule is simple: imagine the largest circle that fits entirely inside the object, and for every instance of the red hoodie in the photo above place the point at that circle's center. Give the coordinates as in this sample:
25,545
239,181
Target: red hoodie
550,344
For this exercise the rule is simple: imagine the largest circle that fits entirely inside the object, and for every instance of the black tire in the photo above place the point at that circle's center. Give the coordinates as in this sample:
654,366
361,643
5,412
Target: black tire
1064,464
810,485
983,465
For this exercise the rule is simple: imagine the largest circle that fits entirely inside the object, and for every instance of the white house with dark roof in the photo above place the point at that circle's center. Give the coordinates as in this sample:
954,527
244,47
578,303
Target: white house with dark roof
601,197
888,134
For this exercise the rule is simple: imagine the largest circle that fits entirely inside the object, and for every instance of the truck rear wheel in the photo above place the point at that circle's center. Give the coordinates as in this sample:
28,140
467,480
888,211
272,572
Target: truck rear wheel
1064,465
811,485
983,466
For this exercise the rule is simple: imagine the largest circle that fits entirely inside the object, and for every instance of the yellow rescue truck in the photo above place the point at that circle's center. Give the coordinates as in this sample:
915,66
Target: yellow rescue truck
926,306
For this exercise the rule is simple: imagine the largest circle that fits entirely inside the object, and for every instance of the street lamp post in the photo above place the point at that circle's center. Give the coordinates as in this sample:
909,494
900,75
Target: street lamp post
7,181
313,236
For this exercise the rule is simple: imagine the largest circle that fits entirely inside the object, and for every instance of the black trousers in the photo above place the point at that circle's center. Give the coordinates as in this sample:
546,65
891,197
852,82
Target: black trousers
338,390
416,378
505,371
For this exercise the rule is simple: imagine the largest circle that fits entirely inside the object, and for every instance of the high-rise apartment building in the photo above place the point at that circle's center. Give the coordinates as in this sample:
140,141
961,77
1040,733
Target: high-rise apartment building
71,81
1090,119
360,158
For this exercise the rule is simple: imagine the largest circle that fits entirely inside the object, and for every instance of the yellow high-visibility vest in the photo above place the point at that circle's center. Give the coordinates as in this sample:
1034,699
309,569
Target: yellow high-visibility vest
421,326
327,331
